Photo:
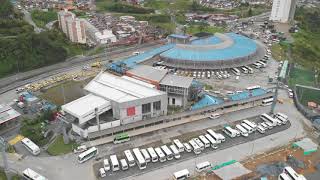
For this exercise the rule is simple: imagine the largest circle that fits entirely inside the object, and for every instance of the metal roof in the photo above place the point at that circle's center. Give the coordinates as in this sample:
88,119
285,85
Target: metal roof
177,81
85,105
179,36
119,89
7,113
148,72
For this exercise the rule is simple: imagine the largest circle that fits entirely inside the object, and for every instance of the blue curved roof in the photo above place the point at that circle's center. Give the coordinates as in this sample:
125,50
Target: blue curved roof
241,47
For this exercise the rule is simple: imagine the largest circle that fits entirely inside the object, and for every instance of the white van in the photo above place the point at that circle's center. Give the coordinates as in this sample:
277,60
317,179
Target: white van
200,144
203,166
280,118
187,147
205,141
124,164
242,130
230,132
102,173
261,129
247,127
106,165
214,116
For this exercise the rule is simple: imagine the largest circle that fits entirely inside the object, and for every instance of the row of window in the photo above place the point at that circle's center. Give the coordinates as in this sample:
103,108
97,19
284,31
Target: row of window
146,108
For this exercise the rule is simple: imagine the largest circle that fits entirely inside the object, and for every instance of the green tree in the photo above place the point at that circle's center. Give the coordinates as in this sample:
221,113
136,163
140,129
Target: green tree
250,13
6,9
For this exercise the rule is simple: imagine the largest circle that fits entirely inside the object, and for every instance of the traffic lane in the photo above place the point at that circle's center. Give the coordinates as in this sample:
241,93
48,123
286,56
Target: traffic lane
230,142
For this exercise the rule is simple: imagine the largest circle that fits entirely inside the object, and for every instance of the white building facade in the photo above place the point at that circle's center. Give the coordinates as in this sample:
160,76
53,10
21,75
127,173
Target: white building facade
283,10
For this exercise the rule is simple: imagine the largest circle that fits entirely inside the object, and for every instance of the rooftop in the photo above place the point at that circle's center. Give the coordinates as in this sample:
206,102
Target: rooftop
148,72
7,113
84,105
177,81
119,89
180,36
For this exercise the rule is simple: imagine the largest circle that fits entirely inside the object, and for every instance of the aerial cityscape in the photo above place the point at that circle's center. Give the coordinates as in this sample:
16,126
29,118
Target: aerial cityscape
159,89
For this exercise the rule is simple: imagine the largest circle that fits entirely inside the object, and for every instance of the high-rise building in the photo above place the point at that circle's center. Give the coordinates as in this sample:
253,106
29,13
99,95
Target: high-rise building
73,27
283,10
76,30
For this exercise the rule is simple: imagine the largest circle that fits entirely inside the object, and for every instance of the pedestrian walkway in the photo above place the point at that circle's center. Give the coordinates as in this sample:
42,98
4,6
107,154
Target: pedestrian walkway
16,139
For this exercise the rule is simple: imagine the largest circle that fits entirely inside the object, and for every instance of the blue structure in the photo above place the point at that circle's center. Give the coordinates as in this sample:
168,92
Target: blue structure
242,47
247,94
205,101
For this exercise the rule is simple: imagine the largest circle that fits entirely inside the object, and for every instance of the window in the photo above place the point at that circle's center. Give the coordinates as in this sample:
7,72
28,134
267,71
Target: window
131,111
157,105
146,108
173,101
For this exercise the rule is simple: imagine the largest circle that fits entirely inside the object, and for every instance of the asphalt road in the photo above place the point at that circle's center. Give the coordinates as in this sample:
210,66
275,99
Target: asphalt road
230,142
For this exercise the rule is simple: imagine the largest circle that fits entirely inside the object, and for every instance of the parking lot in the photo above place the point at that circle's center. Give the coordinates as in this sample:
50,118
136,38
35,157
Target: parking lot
185,156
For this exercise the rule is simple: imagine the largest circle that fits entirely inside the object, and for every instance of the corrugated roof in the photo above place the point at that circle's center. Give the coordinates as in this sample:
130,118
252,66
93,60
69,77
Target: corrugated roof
177,81
7,113
119,89
148,72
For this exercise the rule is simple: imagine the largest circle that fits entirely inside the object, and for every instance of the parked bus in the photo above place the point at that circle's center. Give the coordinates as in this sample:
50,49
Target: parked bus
205,141
88,154
247,127
261,129
203,166
32,175
221,137
129,157
114,163
244,70
153,154
250,70
124,164
283,176
31,146
250,88
187,147
212,141
175,151
195,147
256,65
263,64
139,158
180,175
161,155
200,144
167,152
214,135
231,132
251,124
179,145
120,138
242,130
267,102
145,155
236,71
293,174
282,115
269,119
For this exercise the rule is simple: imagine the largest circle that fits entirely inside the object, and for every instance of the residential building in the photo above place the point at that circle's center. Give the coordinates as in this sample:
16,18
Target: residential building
76,30
283,10
62,19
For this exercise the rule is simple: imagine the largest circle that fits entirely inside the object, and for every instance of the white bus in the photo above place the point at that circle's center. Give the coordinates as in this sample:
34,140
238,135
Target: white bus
124,164
247,127
187,147
200,144
282,115
250,88
31,146
293,174
175,151
180,175
195,147
231,132
269,119
114,163
88,154
167,151
32,175
205,141
283,176
212,141
242,130
280,118
236,71
214,135
145,155
263,64
250,70
153,154
162,157
267,102
179,145
139,158
221,137
256,65
203,166
129,157
245,70
251,124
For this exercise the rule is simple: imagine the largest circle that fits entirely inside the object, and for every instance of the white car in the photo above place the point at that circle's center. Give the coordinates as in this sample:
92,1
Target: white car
80,149
214,116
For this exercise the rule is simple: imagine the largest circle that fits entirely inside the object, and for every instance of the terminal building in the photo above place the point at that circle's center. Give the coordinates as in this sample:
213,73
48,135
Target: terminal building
113,101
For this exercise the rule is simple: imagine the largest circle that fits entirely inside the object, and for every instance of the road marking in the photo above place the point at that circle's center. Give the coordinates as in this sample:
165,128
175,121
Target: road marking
16,139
